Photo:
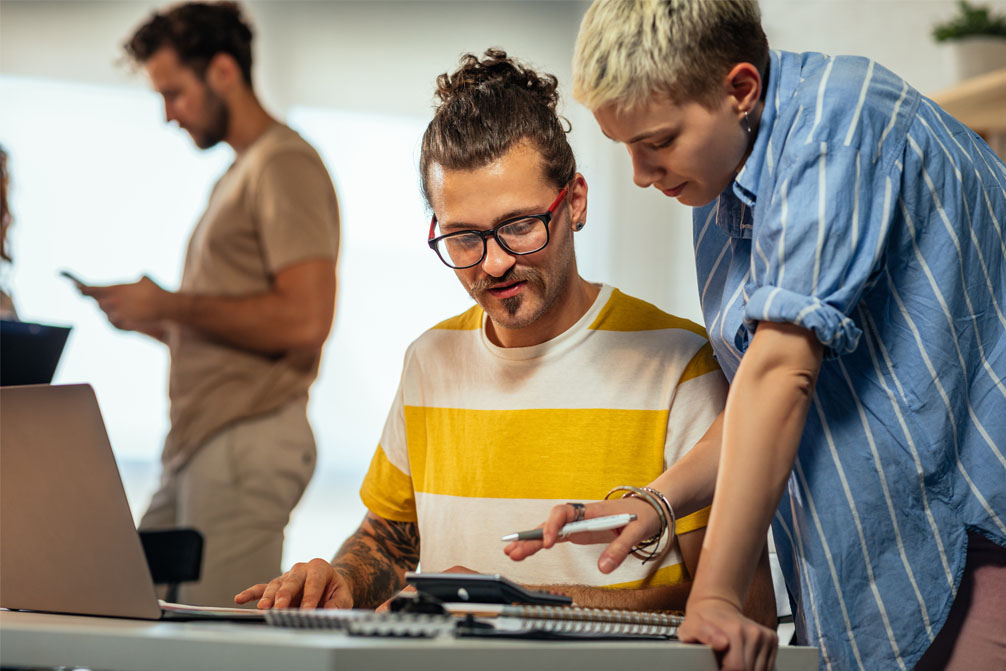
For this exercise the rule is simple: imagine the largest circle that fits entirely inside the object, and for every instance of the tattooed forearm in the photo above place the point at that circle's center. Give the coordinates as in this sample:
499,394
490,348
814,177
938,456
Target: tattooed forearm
375,558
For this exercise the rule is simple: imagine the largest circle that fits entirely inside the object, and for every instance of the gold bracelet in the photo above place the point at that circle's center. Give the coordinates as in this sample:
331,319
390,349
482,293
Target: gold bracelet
642,549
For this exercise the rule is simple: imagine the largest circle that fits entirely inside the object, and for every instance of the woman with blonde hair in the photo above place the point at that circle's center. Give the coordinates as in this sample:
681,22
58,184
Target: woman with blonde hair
851,261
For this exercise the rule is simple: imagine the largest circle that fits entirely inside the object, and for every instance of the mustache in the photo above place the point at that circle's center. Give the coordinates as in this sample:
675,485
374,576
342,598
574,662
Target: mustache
529,275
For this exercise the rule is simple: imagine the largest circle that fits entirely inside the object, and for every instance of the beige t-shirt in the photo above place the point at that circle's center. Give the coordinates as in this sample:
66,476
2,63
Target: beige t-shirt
274,207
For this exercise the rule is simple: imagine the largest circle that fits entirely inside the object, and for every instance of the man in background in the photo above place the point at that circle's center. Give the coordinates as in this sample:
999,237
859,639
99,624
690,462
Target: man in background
246,328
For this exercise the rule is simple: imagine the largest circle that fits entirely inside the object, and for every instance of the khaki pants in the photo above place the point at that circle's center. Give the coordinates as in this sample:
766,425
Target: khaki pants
238,490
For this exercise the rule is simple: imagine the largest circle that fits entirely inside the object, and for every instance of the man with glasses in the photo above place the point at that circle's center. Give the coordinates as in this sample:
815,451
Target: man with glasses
550,389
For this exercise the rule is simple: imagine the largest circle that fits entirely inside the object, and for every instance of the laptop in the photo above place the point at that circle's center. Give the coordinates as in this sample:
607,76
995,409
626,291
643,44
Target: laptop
29,352
67,539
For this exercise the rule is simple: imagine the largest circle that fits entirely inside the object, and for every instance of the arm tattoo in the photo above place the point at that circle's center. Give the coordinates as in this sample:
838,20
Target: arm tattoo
375,558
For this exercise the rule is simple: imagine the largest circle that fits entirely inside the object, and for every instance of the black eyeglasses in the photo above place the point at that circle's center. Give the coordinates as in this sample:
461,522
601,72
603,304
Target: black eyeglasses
521,235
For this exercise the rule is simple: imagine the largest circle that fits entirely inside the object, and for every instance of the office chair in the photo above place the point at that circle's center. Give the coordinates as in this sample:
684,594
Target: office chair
174,556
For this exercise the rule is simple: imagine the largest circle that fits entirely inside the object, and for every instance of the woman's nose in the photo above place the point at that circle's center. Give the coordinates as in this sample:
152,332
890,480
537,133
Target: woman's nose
644,171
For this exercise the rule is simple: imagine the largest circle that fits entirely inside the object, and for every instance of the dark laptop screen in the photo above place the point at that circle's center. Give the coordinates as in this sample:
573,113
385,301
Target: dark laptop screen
29,352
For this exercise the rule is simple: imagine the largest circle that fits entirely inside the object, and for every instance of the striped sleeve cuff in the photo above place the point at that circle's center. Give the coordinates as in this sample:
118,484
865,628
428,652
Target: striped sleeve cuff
832,327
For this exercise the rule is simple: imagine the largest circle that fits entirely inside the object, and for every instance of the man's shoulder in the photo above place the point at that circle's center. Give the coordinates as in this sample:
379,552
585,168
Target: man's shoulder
627,313
468,323
469,320
281,140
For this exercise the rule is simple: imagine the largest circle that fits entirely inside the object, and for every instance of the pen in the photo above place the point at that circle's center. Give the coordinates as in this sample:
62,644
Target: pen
595,524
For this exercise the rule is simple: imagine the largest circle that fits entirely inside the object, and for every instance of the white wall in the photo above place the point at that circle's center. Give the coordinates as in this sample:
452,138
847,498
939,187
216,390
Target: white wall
382,56
378,58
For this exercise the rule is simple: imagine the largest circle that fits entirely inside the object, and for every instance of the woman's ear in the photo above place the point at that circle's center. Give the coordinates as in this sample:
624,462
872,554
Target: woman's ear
743,86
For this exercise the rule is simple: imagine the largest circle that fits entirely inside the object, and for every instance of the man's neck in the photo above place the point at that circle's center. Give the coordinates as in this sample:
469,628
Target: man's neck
569,308
248,122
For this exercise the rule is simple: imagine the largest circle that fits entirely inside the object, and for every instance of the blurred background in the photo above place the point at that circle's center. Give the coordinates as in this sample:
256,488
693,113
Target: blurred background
103,188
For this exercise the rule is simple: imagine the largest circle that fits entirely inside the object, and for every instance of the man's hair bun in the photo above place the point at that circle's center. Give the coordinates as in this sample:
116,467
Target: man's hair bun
477,77
485,107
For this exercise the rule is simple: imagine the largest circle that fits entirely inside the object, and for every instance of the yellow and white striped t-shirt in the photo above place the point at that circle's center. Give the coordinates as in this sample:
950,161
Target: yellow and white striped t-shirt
482,441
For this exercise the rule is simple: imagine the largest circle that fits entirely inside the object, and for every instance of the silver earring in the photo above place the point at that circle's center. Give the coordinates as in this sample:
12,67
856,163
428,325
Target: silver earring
747,122
579,226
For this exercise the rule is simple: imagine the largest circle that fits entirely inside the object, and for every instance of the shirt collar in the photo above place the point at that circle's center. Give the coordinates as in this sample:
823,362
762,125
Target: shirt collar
745,185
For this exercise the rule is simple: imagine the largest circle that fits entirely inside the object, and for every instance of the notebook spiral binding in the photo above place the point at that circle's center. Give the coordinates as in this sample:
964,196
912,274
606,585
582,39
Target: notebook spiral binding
600,621
513,619
364,623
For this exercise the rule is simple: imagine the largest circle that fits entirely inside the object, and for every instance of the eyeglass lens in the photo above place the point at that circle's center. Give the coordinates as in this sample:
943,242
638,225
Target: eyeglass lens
523,236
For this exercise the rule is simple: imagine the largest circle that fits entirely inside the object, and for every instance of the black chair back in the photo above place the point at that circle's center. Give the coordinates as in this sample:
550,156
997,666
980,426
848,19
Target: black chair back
174,556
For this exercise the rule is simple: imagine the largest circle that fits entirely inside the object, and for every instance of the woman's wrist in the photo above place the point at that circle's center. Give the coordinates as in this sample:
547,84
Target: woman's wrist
699,596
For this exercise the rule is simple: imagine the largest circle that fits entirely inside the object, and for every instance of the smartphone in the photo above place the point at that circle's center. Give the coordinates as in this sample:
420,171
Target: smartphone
73,278
481,588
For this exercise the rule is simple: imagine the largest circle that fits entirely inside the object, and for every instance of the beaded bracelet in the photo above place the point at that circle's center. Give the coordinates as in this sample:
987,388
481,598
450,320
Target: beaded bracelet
641,550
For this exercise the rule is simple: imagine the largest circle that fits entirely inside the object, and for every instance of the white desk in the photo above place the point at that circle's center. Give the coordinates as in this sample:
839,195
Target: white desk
107,644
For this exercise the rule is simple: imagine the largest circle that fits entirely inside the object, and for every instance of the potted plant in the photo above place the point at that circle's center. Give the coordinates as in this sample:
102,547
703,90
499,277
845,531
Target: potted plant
977,39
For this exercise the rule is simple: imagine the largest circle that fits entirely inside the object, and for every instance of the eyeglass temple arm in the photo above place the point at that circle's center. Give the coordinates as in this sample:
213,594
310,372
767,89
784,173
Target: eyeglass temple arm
433,227
558,199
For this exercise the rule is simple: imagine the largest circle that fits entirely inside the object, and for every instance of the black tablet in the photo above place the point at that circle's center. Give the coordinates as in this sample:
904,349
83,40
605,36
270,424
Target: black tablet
481,588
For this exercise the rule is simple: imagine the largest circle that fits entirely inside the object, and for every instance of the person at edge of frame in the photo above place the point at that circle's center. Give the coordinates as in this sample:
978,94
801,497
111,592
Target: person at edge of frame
848,238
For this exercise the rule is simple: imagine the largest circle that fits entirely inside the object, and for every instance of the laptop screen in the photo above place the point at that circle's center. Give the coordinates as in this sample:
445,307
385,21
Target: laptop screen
29,352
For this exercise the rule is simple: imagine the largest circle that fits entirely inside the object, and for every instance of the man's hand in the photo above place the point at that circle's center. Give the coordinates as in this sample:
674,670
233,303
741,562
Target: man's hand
294,315
315,584
386,606
742,644
139,306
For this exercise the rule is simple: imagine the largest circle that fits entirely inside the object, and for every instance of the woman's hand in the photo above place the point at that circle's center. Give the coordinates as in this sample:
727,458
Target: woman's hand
620,541
743,644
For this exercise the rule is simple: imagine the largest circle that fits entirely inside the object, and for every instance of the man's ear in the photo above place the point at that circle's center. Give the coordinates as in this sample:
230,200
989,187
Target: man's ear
223,73
743,85
577,201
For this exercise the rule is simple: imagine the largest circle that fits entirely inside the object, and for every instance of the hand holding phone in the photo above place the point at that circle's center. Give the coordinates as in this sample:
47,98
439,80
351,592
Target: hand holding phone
73,278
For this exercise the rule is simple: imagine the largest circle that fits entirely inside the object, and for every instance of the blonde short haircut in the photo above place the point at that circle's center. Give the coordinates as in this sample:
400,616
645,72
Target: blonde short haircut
630,50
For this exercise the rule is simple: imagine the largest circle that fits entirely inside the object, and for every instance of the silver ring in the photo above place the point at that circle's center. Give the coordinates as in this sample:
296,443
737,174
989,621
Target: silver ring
579,509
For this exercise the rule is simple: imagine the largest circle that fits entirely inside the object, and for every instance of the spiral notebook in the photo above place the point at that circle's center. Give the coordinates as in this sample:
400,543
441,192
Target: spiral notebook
467,619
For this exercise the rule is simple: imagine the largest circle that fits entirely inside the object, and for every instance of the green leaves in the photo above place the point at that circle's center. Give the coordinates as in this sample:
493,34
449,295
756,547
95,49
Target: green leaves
972,21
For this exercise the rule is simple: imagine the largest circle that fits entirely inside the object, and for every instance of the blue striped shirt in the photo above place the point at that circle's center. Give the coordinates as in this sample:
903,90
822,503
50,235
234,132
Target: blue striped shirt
869,216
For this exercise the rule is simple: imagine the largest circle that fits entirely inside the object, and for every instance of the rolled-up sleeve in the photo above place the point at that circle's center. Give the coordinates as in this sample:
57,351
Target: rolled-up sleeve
819,243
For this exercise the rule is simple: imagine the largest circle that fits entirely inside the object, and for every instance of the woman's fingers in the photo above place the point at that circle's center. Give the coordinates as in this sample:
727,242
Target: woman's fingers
744,644
557,518
620,540
697,629
518,550
617,551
